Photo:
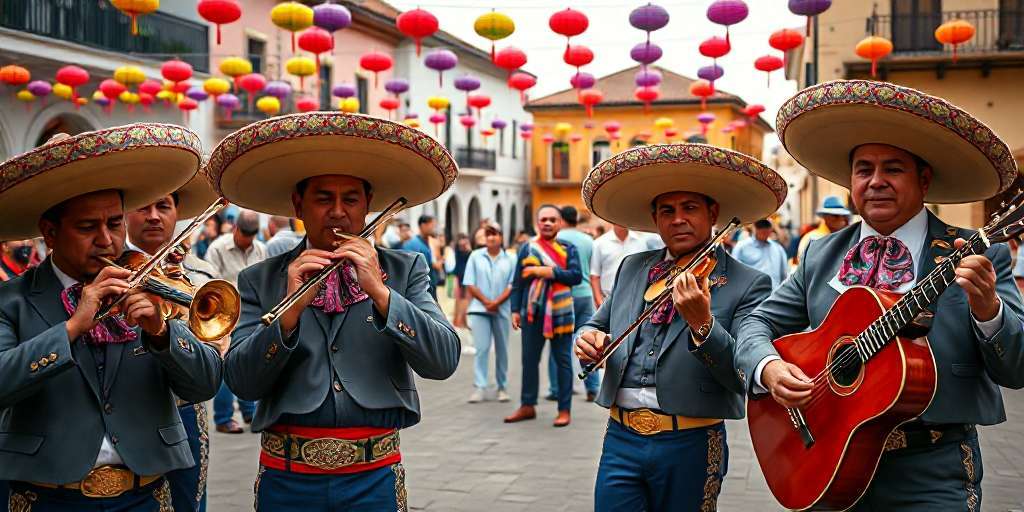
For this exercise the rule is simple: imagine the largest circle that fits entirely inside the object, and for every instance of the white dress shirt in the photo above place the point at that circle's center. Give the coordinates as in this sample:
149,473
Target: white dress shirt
108,454
608,254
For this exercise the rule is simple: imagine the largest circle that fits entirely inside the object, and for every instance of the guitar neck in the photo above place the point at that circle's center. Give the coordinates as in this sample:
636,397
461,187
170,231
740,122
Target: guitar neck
920,297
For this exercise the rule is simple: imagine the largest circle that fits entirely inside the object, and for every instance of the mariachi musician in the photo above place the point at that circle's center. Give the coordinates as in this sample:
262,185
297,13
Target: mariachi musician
90,421
672,383
896,148
334,373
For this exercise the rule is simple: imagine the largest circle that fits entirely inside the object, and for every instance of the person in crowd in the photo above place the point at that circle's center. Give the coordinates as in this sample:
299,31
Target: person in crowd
609,250
283,237
488,280
421,243
462,298
833,214
763,253
582,298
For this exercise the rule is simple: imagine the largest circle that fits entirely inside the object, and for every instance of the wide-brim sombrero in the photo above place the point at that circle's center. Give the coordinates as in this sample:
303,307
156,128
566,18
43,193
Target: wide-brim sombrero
621,189
823,124
145,161
195,196
258,166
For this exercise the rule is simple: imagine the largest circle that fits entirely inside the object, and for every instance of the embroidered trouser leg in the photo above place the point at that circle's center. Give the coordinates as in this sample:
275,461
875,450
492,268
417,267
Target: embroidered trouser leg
945,476
663,472
24,497
380,489
188,486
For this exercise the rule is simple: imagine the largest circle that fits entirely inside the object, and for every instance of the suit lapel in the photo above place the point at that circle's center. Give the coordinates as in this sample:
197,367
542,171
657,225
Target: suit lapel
114,353
636,297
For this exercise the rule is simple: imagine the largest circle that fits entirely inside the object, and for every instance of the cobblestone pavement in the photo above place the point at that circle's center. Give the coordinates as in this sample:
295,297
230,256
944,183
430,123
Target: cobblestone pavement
461,457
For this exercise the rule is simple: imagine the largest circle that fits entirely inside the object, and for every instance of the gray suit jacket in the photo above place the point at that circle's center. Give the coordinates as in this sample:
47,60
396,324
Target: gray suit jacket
375,355
970,367
56,415
692,381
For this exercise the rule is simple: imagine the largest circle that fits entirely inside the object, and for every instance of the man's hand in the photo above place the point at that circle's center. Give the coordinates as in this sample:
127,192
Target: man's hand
109,283
516,319
977,277
306,265
538,272
590,346
787,383
491,306
363,256
140,310
692,300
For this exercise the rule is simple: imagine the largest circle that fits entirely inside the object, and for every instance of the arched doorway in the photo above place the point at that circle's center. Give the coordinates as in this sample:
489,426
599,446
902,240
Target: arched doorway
473,216
499,216
70,124
528,219
513,228
452,218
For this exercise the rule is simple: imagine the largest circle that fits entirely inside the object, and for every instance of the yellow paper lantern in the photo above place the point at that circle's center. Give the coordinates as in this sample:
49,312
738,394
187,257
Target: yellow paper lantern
293,17
129,75
26,96
438,102
412,123
128,98
269,105
663,123
216,86
166,95
235,67
62,91
494,26
136,8
300,67
97,95
562,129
350,105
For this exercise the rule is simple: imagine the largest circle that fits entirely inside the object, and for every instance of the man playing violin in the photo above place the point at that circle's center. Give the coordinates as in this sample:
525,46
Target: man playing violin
334,373
113,382
976,339
671,384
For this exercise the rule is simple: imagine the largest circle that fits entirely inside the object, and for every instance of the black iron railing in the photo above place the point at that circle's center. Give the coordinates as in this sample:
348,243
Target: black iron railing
98,24
476,158
995,30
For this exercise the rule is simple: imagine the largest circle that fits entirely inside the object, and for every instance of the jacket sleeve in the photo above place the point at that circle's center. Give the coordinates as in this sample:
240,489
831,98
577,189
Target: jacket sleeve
19,360
718,352
1003,352
571,275
416,323
258,352
194,369
519,285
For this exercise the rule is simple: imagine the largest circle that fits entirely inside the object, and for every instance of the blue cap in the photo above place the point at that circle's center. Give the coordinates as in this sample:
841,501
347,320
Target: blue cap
832,205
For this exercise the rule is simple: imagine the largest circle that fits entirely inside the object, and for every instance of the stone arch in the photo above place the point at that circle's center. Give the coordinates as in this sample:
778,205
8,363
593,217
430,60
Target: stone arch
452,217
55,118
472,216
513,227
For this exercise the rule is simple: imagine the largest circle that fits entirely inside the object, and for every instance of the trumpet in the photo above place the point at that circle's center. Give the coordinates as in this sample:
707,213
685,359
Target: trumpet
316,280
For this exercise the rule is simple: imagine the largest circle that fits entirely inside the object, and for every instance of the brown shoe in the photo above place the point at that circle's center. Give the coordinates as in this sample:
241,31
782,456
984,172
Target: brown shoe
562,420
230,427
591,396
526,412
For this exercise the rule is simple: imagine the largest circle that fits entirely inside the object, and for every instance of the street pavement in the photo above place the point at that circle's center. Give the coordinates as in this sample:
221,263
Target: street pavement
461,457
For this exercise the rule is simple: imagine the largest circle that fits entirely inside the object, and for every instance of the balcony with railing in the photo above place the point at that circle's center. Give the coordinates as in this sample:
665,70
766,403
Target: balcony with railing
99,25
476,158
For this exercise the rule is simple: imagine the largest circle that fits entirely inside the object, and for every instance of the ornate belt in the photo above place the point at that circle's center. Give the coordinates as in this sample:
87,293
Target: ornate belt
647,422
294,451
105,482
916,435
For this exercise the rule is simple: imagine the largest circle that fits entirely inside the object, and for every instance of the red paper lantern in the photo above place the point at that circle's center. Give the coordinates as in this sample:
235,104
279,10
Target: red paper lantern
417,24
187,104
785,40
715,47
671,133
181,87
316,40
589,98
568,23
112,89
521,82
176,70
72,76
548,138
14,75
578,55
390,104
467,121
574,138
647,95
150,87
146,100
768,63
251,83
702,89
219,12
376,62
479,102
307,105
525,135
510,59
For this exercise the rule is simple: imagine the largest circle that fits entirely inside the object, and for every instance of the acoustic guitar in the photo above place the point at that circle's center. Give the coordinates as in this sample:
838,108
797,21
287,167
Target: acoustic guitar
871,371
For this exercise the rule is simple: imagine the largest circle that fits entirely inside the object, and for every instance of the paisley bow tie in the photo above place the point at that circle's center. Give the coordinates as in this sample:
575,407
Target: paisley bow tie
883,263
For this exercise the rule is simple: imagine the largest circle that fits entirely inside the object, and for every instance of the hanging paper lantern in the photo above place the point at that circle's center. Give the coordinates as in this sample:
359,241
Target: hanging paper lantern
235,67
332,18
417,24
522,82
437,120
648,18
578,55
548,138
526,127
873,48
467,84
785,40
768,63
705,118
728,129
344,90
467,121
39,89
809,8
63,91
390,104
27,98
99,99
574,138
753,110
562,129
376,62
219,12
350,105
511,59
150,87
412,123
710,73
647,95
251,83
727,12
129,98
197,93
568,23
715,47
499,124
72,76
300,67
646,53
479,102
525,135
129,75
612,127
441,60
136,8
647,78
494,26
307,105
146,100
396,86
316,40
411,115
229,102
589,98
269,105
216,86
14,75
293,17
486,133
278,89
176,70
954,32
663,123
167,97
112,89
180,87
702,89
187,105
582,80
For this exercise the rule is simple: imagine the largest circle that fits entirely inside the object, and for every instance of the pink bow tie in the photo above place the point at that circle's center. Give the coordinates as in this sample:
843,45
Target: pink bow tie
340,291
883,263
109,331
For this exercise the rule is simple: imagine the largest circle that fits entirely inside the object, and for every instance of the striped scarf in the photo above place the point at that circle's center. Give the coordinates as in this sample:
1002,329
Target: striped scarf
555,298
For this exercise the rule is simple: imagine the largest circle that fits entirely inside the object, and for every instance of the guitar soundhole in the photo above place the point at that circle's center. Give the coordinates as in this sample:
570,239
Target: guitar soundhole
847,365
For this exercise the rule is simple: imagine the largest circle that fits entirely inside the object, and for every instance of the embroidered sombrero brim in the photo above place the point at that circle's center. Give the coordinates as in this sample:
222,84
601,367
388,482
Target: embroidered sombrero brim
823,124
258,166
196,196
144,161
621,189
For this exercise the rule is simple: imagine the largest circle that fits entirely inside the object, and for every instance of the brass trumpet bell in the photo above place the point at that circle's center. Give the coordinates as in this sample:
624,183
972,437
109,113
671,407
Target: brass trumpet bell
214,310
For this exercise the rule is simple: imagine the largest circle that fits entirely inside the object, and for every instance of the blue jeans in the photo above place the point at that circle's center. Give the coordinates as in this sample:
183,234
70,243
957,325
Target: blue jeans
380,489
561,352
670,471
485,327
188,486
154,497
583,310
224,406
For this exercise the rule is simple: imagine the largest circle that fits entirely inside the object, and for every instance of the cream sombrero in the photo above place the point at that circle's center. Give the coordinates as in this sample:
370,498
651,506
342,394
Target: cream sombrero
621,188
258,166
145,161
196,196
821,125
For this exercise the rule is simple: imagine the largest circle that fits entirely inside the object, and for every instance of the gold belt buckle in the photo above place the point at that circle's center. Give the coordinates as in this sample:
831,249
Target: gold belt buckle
328,453
643,421
106,482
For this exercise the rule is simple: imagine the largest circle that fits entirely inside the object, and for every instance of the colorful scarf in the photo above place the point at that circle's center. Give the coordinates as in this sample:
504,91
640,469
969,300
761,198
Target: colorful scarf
555,298
340,290
664,313
112,330
879,262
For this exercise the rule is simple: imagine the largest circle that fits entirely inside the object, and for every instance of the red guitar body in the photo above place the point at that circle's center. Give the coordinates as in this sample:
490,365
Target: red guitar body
851,415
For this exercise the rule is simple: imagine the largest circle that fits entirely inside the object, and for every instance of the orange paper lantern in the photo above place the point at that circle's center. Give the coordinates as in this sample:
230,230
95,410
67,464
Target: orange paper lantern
873,48
954,32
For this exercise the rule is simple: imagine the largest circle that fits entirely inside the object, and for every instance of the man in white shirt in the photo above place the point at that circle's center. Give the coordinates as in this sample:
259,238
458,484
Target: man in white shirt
283,237
609,249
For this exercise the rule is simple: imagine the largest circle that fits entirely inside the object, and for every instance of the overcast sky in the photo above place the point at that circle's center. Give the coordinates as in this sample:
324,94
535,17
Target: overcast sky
611,37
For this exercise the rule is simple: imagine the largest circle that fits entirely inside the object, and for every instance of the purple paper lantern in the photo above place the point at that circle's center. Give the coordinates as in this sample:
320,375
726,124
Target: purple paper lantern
499,124
396,86
809,8
727,12
39,88
103,101
467,83
645,53
441,60
343,90
277,89
228,101
331,17
526,127
705,118
648,18
647,78
197,93
711,73
582,80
